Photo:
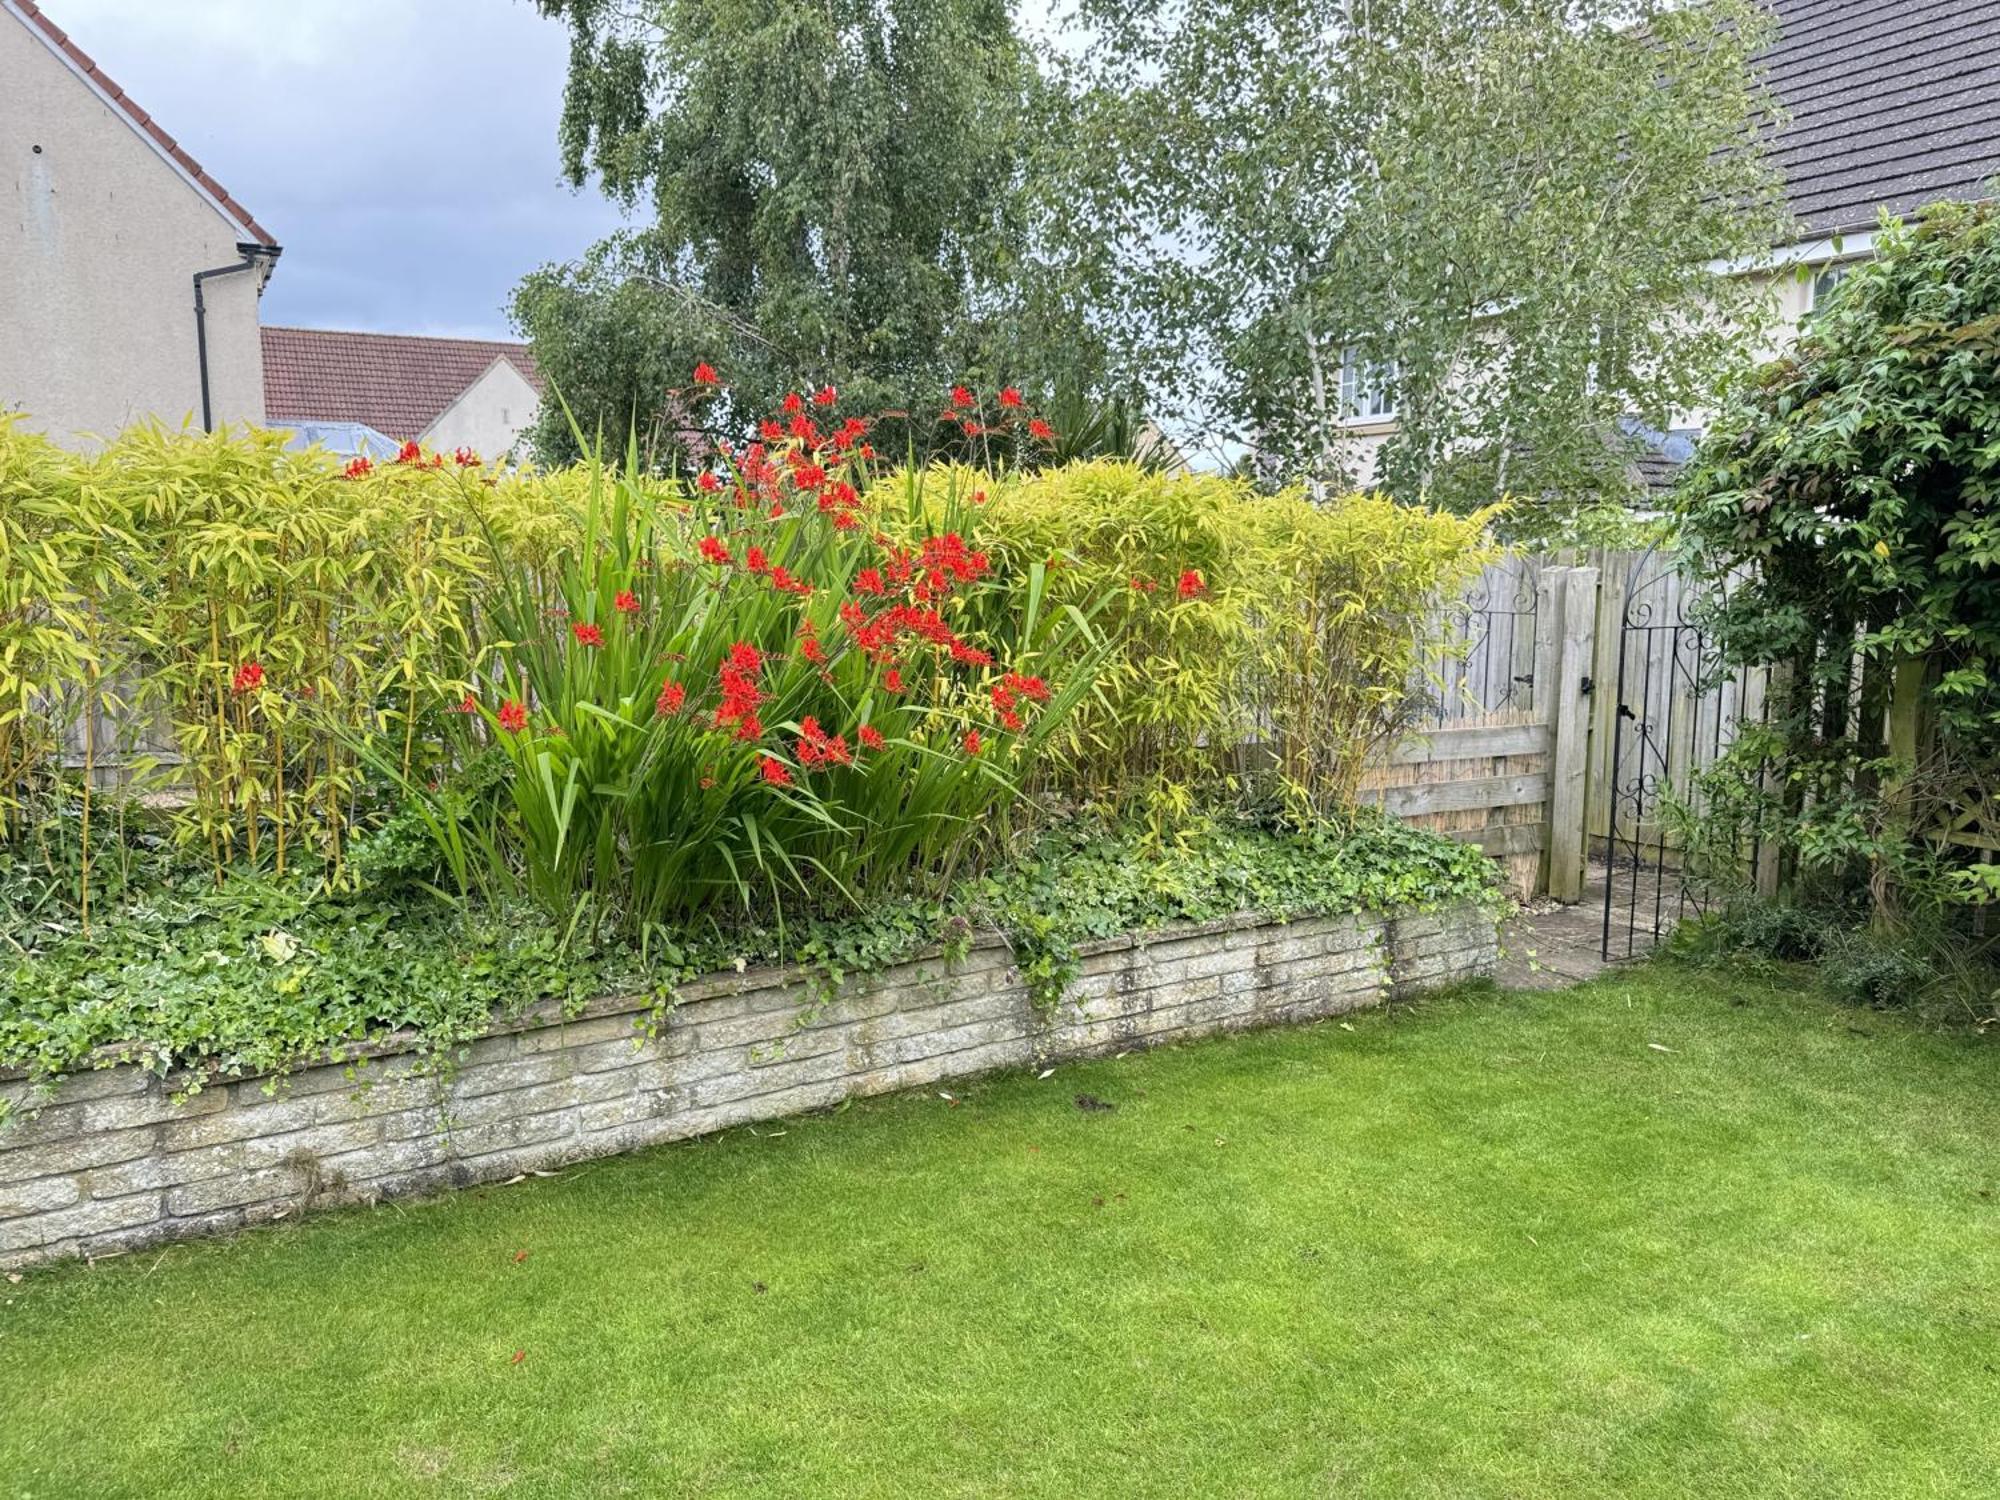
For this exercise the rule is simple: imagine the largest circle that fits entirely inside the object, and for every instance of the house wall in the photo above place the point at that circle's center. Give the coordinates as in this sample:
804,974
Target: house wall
490,417
113,1161
1793,301
100,237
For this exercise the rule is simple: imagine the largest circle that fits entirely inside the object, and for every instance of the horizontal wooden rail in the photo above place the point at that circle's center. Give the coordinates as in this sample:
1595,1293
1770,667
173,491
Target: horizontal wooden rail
1471,743
1460,796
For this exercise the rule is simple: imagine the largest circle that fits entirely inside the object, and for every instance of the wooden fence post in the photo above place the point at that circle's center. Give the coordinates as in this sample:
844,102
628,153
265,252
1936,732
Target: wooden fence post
1576,599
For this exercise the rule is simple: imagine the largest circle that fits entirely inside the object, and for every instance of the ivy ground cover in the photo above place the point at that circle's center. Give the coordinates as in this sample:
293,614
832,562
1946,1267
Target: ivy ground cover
1670,1233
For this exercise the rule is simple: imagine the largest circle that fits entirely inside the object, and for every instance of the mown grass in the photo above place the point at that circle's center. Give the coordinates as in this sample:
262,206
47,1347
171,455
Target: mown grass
1667,1234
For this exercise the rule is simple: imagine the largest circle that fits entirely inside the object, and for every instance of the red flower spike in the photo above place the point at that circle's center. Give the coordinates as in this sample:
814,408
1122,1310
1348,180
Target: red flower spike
825,396
358,468
626,602
973,743
713,551
774,772
513,716
1192,586
1010,396
410,453
465,458
871,737
672,696
1041,431
707,483
704,374
249,677
961,397
587,634
794,402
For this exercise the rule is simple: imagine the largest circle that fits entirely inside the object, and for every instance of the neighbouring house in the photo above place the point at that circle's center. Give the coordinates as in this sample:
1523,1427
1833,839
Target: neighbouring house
1888,107
129,279
367,393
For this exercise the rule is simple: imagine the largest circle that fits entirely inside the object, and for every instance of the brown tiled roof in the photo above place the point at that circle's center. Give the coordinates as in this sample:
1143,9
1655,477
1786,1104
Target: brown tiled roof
142,122
397,383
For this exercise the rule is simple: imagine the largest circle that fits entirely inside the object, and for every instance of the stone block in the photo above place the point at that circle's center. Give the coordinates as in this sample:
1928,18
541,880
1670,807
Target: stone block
78,1222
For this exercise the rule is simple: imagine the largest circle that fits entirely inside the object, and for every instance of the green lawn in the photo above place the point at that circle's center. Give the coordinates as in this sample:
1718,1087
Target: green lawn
1664,1235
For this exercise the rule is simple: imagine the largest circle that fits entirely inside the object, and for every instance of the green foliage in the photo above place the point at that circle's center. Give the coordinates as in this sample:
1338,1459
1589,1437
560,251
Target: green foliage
836,195
1238,618
1933,972
262,973
1849,494
1507,209
714,710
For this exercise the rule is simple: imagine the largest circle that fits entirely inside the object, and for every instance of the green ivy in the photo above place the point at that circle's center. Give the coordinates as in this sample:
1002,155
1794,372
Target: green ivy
261,976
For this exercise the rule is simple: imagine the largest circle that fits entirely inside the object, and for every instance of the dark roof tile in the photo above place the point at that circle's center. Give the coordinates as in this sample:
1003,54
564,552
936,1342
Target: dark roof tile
1890,105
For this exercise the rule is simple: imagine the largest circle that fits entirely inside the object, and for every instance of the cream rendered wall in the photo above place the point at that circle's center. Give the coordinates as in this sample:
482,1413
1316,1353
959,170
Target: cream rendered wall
489,417
100,237
1792,294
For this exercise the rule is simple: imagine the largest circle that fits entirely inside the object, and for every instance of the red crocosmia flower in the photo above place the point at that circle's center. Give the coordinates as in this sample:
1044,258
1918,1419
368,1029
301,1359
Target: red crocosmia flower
774,772
961,397
745,657
249,677
869,581
707,782
871,737
359,467
1191,585
812,650
973,743
749,727
755,560
713,551
704,374
770,431
468,704
1028,687
513,716
465,458
892,680
587,634
672,696
1003,696
970,428
794,402
708,484
979,497
626,602
1010,396
1010,720
410,453
825,396
844,521
1040,430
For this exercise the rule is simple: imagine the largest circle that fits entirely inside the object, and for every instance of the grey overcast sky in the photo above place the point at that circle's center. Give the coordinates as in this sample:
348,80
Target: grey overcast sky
402,151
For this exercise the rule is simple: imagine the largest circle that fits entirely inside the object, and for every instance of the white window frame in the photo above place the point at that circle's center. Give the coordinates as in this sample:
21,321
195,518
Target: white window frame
1365,390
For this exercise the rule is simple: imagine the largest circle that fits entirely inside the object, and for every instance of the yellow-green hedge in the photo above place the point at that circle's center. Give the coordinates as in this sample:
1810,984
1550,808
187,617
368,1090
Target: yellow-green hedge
145,577
1305,634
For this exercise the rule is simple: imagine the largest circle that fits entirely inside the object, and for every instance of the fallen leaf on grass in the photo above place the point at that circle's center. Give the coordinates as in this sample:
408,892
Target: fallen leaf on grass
1045,1073
1658,1048
1090,1104
519,1256
519,1355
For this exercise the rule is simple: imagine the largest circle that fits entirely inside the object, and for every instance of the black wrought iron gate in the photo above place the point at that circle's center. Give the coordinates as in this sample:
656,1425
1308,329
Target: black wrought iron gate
1677,712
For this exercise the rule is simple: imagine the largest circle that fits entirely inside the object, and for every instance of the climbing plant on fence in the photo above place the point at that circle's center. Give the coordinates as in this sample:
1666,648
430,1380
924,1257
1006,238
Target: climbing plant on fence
1856,486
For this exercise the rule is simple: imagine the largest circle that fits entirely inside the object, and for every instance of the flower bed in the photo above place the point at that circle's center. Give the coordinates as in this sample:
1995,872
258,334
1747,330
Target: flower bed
112,1160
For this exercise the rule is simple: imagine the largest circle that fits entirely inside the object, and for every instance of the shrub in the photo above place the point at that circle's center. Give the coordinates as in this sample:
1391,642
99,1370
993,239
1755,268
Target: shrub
749,693
1289,629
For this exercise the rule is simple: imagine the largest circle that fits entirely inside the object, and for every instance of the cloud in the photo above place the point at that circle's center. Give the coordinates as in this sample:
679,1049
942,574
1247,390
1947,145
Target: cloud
404,154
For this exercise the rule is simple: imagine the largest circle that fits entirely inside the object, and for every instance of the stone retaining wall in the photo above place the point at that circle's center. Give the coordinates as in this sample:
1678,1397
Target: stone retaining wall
111,1162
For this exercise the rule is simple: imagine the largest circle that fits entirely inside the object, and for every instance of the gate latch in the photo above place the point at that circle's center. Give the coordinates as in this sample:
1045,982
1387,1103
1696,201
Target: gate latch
1588,686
